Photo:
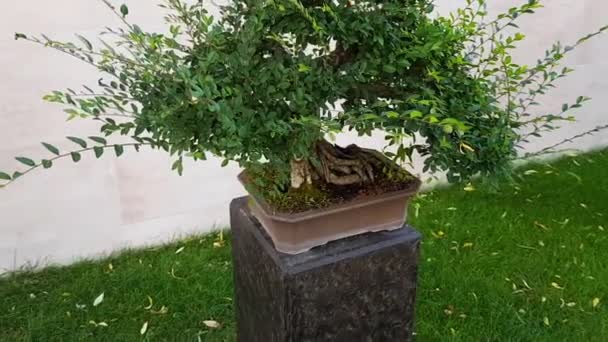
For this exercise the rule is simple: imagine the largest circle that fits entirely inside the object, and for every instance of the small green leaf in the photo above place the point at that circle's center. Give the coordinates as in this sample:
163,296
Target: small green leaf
415,114
72,113
178,165
225,162
75,157
51,148
98,151
85,41
389,69
78,141
369,116
99,140
20,36
47,164
5,176
565,107
17,174
26,161
303,68
392,115
124,10
118,149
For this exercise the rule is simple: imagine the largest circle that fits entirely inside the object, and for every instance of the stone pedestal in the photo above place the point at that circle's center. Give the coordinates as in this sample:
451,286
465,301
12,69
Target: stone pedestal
361,288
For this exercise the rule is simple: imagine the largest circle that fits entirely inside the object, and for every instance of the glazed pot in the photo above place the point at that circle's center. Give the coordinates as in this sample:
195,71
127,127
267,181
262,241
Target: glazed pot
299,232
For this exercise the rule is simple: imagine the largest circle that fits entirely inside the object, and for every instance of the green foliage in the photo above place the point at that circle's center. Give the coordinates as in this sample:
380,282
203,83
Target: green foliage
265,81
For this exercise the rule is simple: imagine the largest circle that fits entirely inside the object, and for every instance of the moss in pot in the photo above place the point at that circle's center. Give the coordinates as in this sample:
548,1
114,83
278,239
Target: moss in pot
268,84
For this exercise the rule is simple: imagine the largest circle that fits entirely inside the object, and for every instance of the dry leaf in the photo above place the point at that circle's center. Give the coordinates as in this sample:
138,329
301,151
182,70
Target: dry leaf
211,324
467,245
179,250
163,310
98,300
556,285
144,328
540,225
595,302
150,304
546,321
173,274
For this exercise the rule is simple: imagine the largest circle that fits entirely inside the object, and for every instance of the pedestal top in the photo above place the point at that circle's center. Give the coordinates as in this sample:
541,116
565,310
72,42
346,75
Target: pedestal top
333,251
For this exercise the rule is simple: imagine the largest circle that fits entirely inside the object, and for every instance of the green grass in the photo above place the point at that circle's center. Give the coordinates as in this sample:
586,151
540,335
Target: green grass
521,263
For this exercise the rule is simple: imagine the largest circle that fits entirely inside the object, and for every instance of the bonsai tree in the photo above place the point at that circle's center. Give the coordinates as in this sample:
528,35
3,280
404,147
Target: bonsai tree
270,82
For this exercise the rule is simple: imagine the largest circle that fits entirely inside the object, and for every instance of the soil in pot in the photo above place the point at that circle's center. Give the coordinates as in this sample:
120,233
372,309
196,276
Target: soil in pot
325,195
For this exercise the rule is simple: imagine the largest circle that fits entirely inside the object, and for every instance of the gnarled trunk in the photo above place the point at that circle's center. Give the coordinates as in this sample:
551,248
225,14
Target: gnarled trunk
337,165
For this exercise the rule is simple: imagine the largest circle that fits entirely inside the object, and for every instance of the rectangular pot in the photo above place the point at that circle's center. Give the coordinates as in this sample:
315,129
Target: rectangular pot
299,232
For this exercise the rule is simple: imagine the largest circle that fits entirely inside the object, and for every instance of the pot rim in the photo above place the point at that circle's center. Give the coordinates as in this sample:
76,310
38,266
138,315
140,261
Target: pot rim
409,191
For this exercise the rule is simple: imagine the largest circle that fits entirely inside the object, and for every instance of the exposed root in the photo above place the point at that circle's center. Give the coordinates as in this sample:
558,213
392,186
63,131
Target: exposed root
301,173
340,166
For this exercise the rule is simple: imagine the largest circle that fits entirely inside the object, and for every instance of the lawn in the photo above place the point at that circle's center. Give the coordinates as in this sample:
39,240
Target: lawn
526,262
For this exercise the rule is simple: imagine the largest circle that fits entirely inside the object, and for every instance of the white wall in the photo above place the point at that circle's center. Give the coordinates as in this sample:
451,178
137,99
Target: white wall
97,206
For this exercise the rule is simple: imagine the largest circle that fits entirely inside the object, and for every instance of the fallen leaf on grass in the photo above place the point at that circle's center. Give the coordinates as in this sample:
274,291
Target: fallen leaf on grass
440,234
467,245
212,324
546,321
173,274
144,328
163,310
179,250
540,225
150,303
595,302
99,299
100,324
556,285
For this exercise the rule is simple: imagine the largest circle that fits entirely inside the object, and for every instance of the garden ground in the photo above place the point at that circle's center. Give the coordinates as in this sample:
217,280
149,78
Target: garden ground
526,262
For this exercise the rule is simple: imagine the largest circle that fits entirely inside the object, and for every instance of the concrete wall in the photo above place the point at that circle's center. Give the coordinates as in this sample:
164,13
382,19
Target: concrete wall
97,206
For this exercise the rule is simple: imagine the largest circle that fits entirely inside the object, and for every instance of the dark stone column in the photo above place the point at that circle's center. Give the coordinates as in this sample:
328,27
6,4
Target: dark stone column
357,289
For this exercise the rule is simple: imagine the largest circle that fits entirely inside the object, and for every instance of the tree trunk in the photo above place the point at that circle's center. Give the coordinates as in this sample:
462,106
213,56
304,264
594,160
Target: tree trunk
337,165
